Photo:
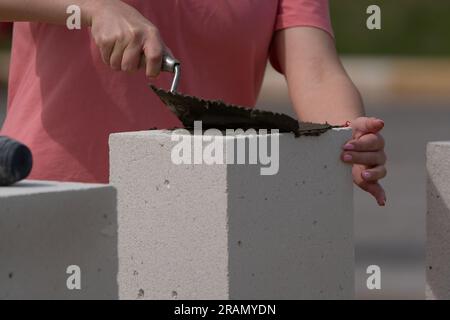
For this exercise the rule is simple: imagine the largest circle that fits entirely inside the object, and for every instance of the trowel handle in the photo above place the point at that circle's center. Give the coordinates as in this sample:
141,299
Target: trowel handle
16,161
170,64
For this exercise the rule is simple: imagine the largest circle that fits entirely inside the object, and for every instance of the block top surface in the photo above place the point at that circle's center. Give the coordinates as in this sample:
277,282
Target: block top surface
168,133
29,187
439,144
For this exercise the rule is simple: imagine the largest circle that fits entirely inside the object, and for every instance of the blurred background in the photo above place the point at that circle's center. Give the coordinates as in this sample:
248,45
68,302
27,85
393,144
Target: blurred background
403,73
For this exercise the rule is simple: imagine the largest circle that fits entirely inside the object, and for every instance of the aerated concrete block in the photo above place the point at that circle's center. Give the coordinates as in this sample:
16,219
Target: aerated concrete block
224,231
438,221
45,227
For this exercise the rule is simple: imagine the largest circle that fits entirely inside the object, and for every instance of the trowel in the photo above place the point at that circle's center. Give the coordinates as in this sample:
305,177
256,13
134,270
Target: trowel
220,115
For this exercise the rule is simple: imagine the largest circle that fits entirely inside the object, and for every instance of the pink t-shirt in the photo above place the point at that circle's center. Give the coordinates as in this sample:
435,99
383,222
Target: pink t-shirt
64,102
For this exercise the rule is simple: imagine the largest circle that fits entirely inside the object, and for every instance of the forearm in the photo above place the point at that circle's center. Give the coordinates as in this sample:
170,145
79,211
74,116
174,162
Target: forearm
319,88
321,91
333,99
50,11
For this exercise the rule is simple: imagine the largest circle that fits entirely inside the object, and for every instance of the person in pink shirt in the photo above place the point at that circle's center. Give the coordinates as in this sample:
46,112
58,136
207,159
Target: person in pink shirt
67,94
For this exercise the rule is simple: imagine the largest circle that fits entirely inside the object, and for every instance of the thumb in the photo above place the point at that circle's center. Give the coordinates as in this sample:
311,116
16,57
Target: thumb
365,125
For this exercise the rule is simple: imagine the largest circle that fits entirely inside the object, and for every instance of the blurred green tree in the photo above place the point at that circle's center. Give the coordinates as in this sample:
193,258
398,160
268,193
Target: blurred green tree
409,27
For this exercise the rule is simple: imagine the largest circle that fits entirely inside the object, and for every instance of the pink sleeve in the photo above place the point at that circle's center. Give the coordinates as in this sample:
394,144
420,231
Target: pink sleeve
296,13
313,13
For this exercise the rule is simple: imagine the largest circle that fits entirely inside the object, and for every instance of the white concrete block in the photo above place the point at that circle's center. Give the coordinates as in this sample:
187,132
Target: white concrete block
438,220
46,227
225,231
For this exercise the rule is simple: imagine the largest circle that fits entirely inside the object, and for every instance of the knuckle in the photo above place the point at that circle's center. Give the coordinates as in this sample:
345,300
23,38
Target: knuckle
153,31
122,36
370,142
152,34
363,158
373,137
104,41
139,37
135,33
356,144
127,67
154,56
380,140
374,159
377,159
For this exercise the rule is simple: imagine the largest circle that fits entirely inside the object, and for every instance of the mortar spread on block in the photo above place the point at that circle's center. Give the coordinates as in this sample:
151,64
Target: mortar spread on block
216,114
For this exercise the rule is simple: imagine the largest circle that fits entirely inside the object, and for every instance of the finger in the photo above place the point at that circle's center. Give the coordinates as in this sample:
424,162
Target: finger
153,58
377,191
106,47
115,60
364,125
364,158
132,57
374,125
374,174
367,142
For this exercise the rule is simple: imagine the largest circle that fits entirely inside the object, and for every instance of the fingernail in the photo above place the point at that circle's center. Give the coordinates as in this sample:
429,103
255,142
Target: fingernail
349,146
366,175
347,157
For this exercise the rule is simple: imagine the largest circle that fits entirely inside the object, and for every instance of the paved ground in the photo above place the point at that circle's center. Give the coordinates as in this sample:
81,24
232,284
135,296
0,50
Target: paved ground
393,237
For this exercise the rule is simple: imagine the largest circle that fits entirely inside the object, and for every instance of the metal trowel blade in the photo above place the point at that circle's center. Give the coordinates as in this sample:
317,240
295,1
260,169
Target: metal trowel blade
219,115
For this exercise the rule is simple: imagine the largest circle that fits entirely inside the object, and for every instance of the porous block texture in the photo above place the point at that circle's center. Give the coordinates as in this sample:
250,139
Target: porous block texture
438,221
224,231
45,227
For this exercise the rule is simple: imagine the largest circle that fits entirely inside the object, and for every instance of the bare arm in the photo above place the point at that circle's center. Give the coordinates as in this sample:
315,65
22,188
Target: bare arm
319,87
51,11
321,91
126,39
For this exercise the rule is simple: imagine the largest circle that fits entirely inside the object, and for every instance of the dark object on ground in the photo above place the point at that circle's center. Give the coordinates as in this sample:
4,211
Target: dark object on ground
219,115
16,161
